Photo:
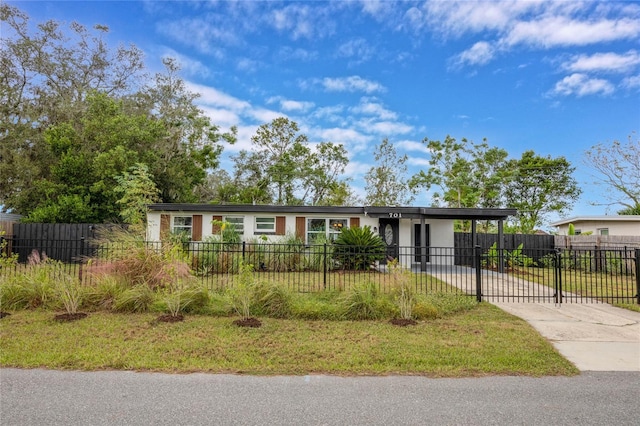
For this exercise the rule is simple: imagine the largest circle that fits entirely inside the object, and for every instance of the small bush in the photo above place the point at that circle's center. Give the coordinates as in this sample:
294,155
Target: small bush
272,300
424,310
364,302
104,292
70,292
402,287
241,295
12,295
358,248
139,298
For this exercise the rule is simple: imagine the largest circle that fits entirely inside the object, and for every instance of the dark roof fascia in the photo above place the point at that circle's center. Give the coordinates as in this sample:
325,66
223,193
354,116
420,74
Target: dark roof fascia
441,213
252,208
373,211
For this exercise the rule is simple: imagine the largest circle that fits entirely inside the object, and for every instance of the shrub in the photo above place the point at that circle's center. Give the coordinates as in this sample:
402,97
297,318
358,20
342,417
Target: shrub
241,295
70,292
424,310
284,256
358,248
364,302
103,293
136,299
12,295
401,283
180,299
272,300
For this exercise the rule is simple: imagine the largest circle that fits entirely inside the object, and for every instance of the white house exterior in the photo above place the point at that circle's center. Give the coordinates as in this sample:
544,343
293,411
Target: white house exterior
398,226
622,225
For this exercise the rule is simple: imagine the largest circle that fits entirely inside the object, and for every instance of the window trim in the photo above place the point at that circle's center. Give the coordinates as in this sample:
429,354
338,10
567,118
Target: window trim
239,231
257,231
183,228
330,232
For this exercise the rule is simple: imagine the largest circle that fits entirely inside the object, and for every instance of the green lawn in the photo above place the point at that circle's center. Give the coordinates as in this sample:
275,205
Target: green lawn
478,342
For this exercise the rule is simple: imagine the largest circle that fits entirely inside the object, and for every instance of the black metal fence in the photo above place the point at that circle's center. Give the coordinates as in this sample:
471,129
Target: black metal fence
510,275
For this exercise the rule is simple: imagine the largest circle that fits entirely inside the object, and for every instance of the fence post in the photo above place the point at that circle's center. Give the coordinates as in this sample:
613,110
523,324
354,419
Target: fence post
477,254
244,251
638,275
81,259
324,267
557,277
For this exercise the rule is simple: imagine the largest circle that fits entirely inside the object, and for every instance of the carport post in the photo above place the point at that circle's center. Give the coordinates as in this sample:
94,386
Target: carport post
638,276
477,253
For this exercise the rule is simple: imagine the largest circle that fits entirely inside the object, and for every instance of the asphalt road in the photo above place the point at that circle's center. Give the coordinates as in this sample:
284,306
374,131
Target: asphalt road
42,397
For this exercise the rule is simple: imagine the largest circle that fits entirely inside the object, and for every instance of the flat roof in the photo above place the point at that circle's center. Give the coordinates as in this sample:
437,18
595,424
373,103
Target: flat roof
601,218
373,211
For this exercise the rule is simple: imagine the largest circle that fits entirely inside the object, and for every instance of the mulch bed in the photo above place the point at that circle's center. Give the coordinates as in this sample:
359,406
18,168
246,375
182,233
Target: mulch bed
70,317
248,322
4,314
400,322
170,318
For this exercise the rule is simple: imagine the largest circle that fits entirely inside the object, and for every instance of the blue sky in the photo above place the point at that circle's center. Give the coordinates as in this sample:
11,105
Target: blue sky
554,77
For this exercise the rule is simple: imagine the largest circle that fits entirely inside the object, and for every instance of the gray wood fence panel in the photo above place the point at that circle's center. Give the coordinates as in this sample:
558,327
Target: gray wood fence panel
59,241
533,245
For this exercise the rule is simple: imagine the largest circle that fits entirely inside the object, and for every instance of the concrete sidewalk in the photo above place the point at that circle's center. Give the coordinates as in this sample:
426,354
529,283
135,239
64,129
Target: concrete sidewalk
594,336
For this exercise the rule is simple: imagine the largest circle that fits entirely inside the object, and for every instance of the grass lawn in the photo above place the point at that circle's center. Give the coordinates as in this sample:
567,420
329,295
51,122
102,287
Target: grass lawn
618,290
481,341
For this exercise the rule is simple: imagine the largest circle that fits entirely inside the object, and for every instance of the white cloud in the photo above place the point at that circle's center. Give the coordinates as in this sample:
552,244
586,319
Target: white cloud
479,54
345,136
351,84
386,128
291,105
302,21
408,145
581,85
603,62
221,117
370,106
213,97
358,49
556,31
247,65
632,82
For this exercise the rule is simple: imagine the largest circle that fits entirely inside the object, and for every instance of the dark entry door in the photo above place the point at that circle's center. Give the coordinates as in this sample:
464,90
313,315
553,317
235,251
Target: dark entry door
416,242
389,230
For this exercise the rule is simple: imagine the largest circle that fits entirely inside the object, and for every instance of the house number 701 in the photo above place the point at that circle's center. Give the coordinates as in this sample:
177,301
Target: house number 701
395,215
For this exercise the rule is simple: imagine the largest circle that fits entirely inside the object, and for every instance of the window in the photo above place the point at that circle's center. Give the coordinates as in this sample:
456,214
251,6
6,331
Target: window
237,222
265,225
182,225
603,231
321,229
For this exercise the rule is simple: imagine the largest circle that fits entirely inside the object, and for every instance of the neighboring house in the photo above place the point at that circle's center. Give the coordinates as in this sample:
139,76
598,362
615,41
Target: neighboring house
600,225
398,226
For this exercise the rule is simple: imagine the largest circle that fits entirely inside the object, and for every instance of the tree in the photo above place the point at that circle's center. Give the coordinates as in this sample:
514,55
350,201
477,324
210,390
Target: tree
618,169
538,186
386,183
45,77
191,144
321,182
137,190
75,115
282,168
469,175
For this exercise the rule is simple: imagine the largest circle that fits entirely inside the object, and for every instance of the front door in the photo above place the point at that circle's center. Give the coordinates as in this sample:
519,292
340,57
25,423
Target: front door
389,232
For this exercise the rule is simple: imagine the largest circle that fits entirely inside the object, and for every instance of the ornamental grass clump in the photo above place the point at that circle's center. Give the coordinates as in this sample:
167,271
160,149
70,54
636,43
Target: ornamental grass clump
364,302
242,294
402,287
